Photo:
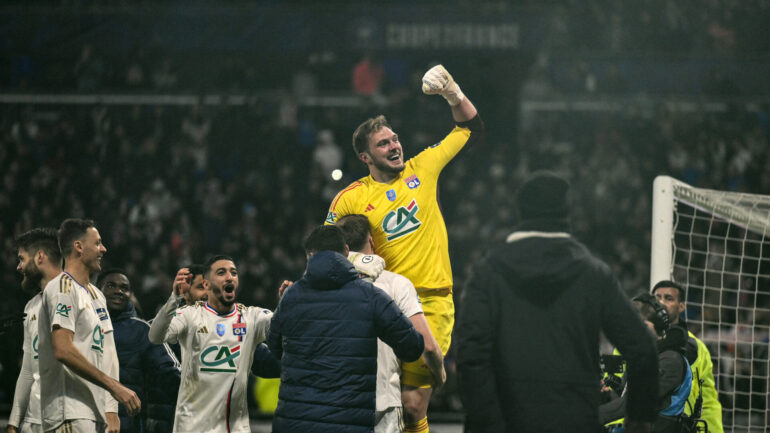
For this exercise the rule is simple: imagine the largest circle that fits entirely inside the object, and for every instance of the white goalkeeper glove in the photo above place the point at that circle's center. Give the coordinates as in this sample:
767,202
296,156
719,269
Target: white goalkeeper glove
369,266
438,81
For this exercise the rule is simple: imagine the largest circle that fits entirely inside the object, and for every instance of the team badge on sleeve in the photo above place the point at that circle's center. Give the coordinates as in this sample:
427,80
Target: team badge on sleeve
331,217
63,310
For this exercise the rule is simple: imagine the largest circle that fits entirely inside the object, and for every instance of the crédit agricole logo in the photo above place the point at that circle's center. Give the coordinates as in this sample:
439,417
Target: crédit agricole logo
220,359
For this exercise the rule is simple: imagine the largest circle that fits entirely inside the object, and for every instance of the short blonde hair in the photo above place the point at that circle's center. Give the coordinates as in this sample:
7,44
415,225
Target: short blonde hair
364,130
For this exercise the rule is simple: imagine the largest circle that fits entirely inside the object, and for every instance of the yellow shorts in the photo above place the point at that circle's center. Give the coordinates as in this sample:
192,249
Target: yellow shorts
439,309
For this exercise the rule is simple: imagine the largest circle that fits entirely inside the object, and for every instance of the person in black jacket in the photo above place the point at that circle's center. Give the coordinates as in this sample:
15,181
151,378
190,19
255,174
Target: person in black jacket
325,332
529,322
674,375
151,371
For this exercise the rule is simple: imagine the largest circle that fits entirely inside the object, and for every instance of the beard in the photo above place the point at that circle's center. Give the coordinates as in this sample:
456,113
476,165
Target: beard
219,293
32,278
384,167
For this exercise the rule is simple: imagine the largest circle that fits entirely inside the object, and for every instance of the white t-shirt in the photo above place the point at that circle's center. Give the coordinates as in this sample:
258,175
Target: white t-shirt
217,351
64,395
388,368
26,399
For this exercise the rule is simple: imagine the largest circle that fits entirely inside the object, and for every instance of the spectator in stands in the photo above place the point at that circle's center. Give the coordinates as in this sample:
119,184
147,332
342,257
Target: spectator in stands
368,76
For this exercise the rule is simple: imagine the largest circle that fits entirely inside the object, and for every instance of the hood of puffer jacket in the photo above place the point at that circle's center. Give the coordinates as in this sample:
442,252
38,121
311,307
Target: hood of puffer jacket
327,270
540,265
126,314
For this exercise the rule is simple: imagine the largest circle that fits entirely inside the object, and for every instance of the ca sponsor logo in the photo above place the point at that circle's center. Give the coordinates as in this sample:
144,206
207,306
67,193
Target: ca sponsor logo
63,310
97,339
401,221
220,359
331,217
34,347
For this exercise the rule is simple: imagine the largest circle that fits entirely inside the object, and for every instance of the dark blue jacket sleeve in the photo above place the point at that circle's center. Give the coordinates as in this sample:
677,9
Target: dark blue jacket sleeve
265,364
394,328
163,372
274,337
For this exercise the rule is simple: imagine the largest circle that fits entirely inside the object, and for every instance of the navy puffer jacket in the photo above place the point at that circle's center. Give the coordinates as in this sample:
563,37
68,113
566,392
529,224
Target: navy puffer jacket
150,370
325,332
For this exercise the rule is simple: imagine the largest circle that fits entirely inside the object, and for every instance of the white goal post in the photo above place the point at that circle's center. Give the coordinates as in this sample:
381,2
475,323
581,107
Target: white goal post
717,245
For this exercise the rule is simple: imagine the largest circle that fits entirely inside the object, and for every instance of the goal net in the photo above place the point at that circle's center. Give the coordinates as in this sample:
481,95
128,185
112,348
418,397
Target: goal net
716,244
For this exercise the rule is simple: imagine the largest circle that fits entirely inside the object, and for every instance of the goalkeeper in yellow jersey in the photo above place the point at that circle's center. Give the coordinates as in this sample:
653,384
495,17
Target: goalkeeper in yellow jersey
401,202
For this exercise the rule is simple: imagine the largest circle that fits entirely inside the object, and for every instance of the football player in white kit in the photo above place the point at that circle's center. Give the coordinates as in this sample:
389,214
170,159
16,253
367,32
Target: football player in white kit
389,408
39,263
79,387
218,338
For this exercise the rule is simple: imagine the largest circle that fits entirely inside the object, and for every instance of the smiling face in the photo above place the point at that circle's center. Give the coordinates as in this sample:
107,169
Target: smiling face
222,284
384,156
91,250
116,289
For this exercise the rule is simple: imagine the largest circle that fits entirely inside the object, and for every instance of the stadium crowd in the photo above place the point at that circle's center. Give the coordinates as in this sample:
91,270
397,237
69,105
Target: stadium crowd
168,184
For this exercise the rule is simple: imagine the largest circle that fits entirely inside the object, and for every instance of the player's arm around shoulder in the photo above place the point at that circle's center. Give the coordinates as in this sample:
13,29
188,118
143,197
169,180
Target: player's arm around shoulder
393,327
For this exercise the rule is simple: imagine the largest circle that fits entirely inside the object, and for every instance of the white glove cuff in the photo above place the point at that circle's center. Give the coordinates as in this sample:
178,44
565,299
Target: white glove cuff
453,94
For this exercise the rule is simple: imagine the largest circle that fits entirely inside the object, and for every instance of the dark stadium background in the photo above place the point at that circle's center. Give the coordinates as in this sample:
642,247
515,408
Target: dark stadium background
187,128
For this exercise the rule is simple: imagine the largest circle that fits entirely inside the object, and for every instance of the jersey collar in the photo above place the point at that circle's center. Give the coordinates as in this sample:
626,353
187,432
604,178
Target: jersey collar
76,281
211,309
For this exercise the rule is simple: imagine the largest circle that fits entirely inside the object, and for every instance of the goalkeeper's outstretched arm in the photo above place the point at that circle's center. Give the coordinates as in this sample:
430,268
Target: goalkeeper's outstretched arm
438,81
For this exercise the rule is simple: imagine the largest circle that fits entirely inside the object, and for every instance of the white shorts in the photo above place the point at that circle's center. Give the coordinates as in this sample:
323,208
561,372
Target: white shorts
27,427
80,426
390,420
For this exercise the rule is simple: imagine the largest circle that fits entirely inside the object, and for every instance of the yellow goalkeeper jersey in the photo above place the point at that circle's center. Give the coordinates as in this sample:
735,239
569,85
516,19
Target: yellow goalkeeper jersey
404,215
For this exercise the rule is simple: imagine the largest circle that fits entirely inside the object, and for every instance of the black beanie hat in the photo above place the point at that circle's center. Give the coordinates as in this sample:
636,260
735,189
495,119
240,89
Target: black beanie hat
543,196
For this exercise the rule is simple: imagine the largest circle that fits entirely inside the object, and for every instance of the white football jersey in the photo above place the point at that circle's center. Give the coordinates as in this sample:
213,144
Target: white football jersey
26,407
404,294
64,395
217,352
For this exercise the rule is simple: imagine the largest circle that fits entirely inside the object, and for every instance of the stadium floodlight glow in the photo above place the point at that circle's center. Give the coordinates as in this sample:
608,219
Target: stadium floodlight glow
715,243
